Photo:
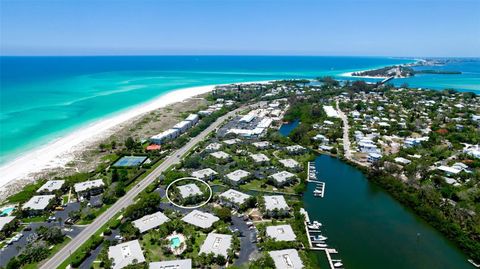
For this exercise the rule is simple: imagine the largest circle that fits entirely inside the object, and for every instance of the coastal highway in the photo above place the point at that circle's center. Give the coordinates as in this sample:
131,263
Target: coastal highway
129,197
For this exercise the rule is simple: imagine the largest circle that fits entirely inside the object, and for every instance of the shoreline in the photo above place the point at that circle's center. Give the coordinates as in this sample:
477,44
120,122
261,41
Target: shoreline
56,154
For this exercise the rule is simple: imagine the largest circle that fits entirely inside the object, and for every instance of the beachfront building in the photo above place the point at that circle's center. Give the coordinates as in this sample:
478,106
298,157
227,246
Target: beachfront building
281,233
220,155
173,264
193,118
259,158
51,186
217,244
149,222
165,136
286,259
5,220
290,164
39,203
275,205
89,188
200,219
233,198
237,177
282,178
204,174
125,254
189,190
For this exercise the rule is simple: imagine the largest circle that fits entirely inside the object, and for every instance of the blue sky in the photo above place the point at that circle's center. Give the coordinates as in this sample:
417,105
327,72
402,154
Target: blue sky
295,27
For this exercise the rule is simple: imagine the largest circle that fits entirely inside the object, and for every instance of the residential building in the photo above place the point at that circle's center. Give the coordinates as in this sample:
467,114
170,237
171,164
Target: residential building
290,164
204,174
88,188
5,220
125,254
51,186
149,222
220,155
295,149
173,264
275,205
38,203
286,259
188,190
282,178
217,244
281,232
233,198
238,176
261,144
259,158
200,219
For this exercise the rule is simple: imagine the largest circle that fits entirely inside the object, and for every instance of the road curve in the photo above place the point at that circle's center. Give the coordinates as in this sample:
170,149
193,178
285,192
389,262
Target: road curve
129,197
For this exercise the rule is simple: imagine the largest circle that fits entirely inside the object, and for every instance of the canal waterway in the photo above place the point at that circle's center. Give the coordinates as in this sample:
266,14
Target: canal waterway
368,227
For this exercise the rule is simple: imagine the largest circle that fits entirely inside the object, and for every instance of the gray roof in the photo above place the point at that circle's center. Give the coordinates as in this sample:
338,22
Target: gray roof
237,175
188,190
289,163
218,244
235,196
283,176
200,219
51,185
275,202
261,144
174,264
260,157
281,233
86,185
5,220
125,253
286,259
213,146
148,222
39,202
220,155
204,173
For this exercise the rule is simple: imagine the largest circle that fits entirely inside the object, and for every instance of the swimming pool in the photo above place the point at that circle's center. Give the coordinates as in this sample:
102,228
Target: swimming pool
7,211
175,242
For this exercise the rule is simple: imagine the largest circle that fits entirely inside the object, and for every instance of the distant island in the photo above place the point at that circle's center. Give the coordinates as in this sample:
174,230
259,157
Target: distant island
403,71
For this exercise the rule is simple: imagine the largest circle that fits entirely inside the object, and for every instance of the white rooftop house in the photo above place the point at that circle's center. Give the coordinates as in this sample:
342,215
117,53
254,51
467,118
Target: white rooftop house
221,155
282,178
5,220
273,202
247,118
261,144
290,163
88,185
39,202
331,112
200,219
205,174
281,233
295,149
164,136
51,185
402,160
286,259
173,264
259,158
125,254
149,222
193,118
454,169
218,244
233,198
231,141
183,126
237,176
213,147
188,190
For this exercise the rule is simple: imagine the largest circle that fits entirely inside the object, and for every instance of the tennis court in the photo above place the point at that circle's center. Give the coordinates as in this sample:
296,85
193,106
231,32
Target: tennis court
129,161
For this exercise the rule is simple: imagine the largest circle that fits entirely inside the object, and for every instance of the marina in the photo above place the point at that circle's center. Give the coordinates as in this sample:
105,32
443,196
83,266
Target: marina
312,177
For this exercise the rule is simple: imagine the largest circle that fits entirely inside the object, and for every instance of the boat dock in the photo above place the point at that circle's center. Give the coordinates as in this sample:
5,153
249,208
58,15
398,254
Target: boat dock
314,234
312,177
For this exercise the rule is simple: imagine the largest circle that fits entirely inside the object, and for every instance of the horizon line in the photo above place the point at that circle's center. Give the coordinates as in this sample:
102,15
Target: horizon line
231,55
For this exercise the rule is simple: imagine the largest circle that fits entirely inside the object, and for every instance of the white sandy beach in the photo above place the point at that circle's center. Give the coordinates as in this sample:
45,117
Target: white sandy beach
59,152
349,74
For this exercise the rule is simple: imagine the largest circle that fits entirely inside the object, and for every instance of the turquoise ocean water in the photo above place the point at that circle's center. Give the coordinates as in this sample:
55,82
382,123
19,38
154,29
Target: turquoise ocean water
43,98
